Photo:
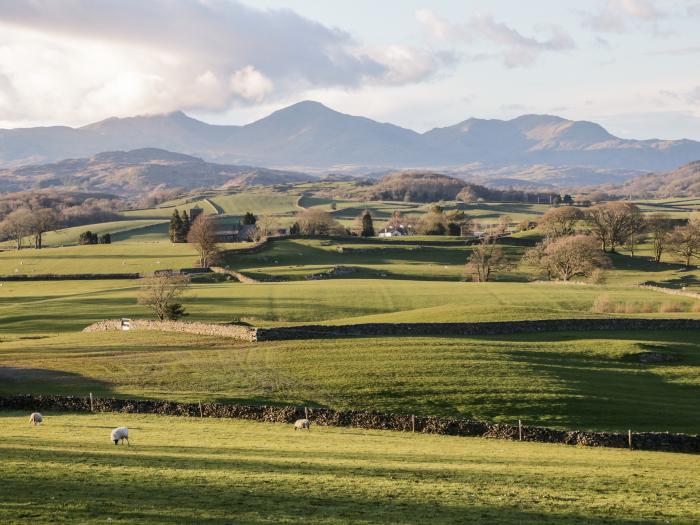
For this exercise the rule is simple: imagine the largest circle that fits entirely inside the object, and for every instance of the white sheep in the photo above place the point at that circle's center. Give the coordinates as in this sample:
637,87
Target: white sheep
36,418
120,434
301,424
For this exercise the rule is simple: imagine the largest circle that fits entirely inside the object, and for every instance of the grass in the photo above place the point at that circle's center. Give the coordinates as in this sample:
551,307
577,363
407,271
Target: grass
59,306
564,380
182,470
258,203
129,254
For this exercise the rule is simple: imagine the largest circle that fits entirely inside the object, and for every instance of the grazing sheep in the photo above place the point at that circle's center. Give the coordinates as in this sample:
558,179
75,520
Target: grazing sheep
302,423
35,418
120,433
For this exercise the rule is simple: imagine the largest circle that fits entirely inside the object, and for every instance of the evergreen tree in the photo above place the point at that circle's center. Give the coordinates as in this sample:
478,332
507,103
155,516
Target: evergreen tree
106,238
185,228
367,225
249,219
175,227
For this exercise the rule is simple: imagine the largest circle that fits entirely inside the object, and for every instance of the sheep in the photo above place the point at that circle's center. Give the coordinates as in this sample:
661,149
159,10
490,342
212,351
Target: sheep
36,418
301,424
120,434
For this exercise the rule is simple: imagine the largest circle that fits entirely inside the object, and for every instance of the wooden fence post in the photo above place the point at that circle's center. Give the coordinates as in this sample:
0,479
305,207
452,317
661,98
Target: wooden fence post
306,412
91,406
629,438
520,430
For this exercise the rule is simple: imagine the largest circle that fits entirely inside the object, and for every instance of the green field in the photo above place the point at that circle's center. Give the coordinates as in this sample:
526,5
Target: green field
39,307
181,470
566,380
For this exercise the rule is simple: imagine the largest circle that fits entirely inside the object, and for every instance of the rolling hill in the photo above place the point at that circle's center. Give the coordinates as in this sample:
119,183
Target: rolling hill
684,181
131,172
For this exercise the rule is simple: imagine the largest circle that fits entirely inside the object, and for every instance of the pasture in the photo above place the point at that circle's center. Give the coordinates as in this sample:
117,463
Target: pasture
182,470
571,380
58,306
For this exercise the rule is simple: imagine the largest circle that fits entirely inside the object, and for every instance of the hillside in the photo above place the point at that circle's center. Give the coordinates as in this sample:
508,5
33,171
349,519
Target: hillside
684,181
133,172
311,136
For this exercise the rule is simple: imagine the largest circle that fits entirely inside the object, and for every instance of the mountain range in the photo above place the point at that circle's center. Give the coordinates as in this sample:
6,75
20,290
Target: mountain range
309,136
131,173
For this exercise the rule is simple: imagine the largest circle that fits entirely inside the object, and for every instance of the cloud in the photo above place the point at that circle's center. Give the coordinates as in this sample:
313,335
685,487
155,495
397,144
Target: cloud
515,49
127,56
618,16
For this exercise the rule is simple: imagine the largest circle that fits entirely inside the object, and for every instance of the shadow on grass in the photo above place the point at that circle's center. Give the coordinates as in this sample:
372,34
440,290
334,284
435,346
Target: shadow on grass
245,488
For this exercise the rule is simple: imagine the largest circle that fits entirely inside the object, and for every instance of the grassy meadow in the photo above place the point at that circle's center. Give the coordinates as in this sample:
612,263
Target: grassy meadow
182,470
58,306
565,380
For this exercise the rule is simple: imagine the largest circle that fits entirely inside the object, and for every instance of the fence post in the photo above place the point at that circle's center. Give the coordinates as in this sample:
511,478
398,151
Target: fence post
413,422
306,412
520,430
629,438
91,406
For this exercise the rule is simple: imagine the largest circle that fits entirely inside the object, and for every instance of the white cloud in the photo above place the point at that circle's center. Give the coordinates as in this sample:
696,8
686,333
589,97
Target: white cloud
618,16
83,59
515,49
251,84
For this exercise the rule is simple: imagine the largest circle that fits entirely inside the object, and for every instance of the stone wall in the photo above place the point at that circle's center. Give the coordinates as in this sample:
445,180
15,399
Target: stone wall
656,441
485,328
219,330
285,333
69,276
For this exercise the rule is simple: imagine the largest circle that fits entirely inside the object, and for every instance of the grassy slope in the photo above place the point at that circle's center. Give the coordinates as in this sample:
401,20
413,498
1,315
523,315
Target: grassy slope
259,203
36,307
218,472
568,380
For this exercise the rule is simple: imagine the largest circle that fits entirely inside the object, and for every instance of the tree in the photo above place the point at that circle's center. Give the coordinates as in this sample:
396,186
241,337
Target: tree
433,222
17,225
685,241
568,257
202,235
568,200
106,238
159,293
659,226
264,227
558,222
612,223
185,228
316,222
486,258
364,227
87,237
175,228
249,219
43,220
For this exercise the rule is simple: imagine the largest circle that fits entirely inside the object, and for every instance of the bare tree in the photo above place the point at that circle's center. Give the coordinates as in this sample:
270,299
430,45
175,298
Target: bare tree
612,223
659,226
318,222
568,257
486,259
264,227
160,293
202,235
558,222
43,220
17,225
685,241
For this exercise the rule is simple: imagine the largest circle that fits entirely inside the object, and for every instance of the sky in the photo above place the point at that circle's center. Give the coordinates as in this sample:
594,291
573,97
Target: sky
630,65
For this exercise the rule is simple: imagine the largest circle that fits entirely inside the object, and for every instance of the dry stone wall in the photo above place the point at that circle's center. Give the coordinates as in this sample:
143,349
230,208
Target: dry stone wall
244,333
283,333
657,441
